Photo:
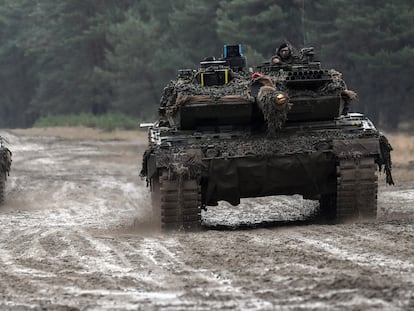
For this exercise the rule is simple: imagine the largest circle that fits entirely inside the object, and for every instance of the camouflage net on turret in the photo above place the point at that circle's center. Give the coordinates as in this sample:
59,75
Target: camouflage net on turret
336,86
184,91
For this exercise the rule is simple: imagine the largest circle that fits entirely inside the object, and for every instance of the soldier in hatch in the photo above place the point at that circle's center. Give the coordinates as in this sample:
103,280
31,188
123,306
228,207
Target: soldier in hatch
284,54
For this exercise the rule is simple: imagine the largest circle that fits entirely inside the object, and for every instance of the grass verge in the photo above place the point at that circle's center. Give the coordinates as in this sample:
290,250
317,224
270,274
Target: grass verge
106,122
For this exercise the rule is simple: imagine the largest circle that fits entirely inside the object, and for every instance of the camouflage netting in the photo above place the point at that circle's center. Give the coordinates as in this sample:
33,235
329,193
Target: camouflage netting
179,156
185,90
180,162
281,144
184,164
335,86
186,160
274,112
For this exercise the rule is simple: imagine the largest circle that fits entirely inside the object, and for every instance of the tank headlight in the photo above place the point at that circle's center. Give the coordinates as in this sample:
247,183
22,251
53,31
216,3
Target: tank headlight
281,98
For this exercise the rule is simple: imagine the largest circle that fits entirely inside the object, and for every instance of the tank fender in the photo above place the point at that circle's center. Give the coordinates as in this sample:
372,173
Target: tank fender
148,164
384,158
356,147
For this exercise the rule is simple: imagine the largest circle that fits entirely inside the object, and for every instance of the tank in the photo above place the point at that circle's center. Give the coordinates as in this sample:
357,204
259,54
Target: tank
225,133
5,165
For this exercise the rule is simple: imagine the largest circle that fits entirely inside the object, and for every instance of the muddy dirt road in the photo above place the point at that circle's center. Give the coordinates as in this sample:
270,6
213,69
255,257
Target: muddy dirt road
76,235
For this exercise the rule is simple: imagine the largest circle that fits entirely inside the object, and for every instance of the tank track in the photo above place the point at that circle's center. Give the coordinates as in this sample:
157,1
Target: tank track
357,186
2,187
179,203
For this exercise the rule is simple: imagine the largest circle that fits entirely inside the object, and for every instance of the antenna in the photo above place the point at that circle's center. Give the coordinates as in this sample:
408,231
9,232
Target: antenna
303,22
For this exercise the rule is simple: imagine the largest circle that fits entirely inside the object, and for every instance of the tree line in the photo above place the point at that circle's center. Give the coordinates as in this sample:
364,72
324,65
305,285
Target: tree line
100,56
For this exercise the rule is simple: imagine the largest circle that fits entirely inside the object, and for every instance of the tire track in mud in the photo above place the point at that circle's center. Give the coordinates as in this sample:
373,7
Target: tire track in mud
70,255
69,242
49,190
383,278
292,269
354,249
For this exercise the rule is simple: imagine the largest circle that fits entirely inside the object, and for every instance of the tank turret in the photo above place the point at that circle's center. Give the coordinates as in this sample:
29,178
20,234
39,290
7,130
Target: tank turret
218,95
316,93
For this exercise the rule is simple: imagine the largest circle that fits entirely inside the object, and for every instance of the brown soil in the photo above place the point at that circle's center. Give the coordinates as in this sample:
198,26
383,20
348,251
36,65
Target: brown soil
76,235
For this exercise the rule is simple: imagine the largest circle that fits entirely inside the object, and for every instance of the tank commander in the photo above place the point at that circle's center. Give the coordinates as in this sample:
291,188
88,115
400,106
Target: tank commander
284,54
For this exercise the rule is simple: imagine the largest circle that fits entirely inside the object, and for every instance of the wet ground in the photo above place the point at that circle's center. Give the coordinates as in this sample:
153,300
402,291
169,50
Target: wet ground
76,235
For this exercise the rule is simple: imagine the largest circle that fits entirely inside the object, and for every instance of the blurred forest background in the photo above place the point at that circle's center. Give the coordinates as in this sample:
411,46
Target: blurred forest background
62,57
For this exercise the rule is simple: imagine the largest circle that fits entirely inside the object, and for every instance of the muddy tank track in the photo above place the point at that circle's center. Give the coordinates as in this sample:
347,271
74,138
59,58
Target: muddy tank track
2,187
357,186
177,202
356,192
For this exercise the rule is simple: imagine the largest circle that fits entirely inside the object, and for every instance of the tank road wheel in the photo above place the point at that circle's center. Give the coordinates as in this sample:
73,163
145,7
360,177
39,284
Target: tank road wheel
2,187
180,202
357,185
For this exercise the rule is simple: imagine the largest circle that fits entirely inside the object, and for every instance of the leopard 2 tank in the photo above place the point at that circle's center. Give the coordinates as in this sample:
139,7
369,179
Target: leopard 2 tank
226,133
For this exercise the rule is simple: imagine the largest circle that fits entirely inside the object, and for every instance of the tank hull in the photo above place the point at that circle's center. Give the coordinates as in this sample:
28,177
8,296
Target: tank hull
332,162
232,177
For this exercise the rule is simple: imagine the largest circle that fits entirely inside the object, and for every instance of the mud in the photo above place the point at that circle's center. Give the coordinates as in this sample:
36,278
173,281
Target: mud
76,235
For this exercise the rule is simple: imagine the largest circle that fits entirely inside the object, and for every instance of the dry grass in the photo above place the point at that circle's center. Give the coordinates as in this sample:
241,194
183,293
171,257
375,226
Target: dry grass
402,156
403,145
82,133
